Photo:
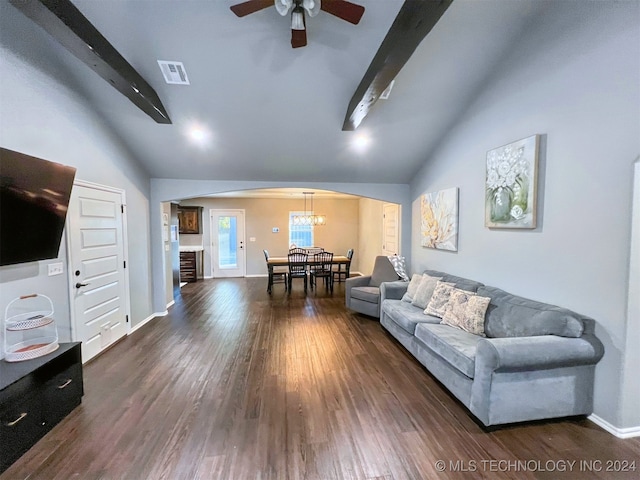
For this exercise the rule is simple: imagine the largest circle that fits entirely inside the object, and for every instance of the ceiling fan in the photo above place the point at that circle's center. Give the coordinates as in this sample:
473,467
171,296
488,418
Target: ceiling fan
348,11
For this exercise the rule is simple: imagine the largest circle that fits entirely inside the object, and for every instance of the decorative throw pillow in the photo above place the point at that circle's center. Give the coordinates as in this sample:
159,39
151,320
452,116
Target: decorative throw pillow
476,311
439,299
466,311
399,266
412,288
425,291
455,310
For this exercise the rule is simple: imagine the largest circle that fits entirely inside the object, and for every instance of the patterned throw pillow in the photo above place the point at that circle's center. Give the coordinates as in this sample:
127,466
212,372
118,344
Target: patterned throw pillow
456,309
399,266
439,299
425,291
466,311
476,311
412,288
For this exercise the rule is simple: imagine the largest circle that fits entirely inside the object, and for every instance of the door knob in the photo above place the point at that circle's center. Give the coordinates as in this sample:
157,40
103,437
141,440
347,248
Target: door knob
79,285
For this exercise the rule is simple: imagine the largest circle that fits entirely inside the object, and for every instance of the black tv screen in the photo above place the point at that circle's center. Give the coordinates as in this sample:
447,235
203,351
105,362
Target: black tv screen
34,197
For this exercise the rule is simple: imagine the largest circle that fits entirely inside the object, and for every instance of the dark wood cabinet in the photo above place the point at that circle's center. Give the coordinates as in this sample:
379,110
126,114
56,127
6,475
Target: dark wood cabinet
189,219
188,267
35,395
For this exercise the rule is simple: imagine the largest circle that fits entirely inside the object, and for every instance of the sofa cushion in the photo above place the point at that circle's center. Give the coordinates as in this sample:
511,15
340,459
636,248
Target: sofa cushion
412,288
439,299
512,316
366,294
460,282
454,345
425,291
406,315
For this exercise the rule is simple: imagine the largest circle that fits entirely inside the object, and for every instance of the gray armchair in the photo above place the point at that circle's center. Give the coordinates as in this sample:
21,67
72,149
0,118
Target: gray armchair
362,294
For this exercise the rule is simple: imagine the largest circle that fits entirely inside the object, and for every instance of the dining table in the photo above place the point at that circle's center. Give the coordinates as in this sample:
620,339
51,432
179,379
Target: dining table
284,262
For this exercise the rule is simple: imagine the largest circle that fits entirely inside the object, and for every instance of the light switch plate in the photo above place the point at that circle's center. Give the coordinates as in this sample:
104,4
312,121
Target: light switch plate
55,269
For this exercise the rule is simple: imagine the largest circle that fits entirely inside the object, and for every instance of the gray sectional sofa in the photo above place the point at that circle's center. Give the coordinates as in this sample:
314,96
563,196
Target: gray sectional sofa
536,361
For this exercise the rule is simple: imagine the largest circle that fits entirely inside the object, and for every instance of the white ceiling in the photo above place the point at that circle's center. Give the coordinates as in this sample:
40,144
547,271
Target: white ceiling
275,113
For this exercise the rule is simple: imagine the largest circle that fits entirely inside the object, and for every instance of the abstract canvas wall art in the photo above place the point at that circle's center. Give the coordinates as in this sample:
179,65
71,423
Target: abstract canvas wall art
511,185
439,220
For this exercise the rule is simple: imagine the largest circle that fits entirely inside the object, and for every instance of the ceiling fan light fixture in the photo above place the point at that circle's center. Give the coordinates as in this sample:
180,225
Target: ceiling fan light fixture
297,18
283,6
312,7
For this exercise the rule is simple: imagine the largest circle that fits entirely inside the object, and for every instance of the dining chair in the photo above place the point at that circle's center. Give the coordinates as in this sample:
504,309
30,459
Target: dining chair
338,268
321,268
313,250
298,250
276,274
297,268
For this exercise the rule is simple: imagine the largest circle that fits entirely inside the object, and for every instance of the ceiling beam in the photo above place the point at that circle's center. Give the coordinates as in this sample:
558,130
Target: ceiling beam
64,22
414,21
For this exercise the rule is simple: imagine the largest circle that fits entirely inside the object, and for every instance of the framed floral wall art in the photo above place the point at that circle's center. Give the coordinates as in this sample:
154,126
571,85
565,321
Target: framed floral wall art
439,220
511,185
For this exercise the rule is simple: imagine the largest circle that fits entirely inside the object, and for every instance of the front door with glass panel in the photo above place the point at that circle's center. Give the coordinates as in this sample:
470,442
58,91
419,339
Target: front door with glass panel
227,243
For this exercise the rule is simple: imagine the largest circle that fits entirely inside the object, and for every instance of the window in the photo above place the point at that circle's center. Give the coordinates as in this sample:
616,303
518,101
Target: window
300,235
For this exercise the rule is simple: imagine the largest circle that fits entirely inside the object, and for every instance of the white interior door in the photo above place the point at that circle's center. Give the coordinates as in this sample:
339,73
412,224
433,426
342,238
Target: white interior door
391,229
227,243
96,239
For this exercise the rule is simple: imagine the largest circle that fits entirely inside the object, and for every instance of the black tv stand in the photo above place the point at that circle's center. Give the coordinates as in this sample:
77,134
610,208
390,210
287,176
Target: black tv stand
35,395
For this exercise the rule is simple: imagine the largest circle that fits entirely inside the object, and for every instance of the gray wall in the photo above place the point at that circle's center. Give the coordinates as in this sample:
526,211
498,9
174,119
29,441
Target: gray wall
574,78
43,115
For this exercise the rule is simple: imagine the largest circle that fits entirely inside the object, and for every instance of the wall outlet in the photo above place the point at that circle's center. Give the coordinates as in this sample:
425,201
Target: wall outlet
275,229
55,269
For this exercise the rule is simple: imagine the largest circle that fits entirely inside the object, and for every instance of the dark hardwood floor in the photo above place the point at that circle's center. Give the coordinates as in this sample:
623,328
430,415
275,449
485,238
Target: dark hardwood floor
237,384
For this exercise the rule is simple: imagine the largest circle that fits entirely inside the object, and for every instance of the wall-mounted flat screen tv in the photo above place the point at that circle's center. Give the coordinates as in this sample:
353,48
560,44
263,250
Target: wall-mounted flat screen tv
34,197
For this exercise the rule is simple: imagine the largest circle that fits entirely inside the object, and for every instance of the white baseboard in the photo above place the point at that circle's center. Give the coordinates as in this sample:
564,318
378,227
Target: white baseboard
170,304
147,320
618,432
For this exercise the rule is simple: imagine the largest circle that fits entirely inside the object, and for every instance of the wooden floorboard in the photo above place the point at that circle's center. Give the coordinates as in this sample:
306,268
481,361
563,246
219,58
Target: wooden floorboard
237,384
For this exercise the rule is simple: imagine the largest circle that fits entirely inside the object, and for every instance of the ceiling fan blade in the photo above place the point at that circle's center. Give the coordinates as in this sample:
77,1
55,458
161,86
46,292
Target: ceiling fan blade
348,11
252,6
298,38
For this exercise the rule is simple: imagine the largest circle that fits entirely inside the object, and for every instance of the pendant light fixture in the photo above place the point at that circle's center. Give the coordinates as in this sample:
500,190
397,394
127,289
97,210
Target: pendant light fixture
309,217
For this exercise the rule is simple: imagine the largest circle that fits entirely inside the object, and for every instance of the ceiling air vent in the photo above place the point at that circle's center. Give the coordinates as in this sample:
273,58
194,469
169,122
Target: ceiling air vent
174,72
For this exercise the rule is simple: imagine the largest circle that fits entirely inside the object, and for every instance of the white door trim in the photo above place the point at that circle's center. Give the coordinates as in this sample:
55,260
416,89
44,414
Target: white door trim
70,276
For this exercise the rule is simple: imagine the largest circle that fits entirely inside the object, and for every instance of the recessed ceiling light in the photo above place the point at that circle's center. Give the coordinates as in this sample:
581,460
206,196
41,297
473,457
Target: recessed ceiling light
198,135
361,142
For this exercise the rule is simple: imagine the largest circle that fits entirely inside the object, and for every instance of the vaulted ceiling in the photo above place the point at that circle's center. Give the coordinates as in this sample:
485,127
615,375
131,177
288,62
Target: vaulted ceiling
268,112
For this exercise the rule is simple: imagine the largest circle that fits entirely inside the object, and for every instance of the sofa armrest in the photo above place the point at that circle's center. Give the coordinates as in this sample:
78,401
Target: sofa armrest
535,353
551,372
392,290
